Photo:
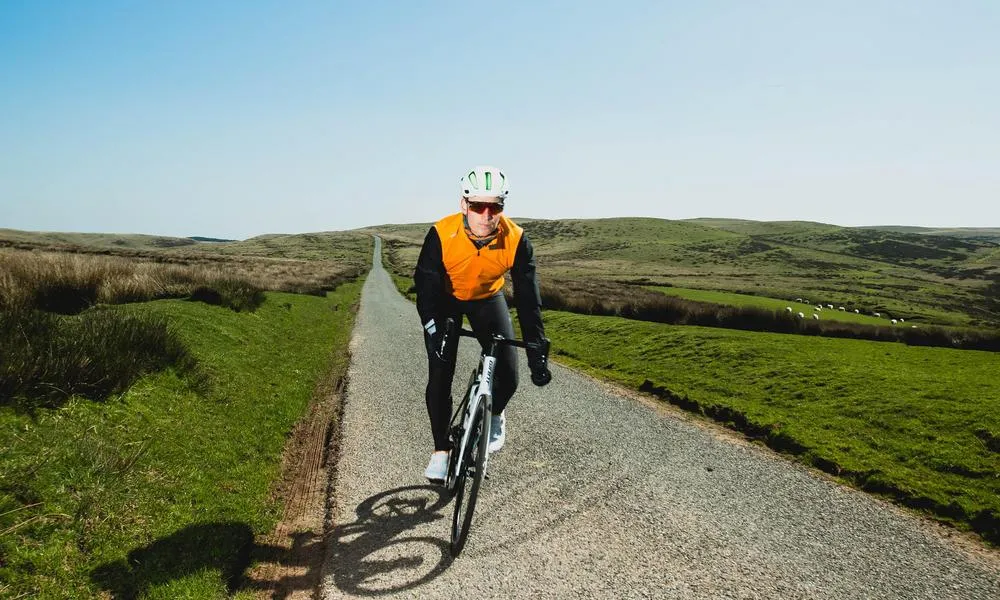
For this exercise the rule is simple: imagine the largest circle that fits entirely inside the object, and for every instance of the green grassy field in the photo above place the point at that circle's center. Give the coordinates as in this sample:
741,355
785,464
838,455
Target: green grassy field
160,492
733,299
921,425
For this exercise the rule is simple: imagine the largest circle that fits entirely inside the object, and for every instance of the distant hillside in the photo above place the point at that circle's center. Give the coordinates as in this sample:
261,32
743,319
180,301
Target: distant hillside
110,240
94,240
987,234
338,246
931,278
199,238
745,227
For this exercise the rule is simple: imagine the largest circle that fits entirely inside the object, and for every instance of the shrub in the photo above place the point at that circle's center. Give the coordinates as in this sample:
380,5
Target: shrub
65,297
46,358
236,294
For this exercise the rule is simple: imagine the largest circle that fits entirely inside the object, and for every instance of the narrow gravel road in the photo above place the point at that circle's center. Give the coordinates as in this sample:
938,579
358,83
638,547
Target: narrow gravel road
597,495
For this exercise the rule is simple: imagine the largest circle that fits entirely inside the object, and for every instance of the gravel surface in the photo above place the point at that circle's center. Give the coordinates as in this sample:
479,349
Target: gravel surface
597,495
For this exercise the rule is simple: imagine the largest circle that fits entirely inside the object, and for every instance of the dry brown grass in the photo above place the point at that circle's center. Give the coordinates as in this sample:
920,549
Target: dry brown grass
67,282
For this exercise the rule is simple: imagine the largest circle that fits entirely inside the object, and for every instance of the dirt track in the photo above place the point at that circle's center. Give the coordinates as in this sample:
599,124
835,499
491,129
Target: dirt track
290,559
598,495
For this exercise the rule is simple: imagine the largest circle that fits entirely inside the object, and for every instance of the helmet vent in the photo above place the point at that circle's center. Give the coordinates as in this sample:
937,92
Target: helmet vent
484,180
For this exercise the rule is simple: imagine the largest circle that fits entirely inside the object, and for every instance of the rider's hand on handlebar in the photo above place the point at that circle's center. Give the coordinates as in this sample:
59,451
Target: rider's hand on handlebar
436,337
538,362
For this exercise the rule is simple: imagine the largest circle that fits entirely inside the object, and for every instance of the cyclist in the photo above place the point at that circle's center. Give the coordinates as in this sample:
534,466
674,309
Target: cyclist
461,271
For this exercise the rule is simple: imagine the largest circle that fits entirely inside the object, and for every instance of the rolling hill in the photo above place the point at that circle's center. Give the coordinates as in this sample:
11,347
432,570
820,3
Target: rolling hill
933,278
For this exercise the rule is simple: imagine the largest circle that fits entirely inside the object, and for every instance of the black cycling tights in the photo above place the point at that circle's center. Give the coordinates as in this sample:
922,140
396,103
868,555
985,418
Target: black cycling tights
485,318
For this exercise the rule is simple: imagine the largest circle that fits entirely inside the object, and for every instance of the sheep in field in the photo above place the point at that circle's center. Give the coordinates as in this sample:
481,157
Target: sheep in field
857,312
788,309
830,306
815,316
902,320
878,314
841,308
893,321
801,316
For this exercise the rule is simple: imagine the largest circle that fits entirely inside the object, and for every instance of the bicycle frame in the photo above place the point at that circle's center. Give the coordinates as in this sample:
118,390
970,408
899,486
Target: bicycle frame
481,391
467,466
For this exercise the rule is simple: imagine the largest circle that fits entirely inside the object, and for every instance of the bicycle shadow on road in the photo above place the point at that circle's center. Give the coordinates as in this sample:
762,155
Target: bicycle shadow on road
373,556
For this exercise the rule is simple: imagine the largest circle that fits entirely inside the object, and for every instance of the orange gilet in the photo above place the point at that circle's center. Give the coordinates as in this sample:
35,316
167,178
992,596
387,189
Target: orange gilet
473,273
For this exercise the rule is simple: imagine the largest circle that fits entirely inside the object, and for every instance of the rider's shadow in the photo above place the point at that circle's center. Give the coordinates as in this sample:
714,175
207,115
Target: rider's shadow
374,555
223,546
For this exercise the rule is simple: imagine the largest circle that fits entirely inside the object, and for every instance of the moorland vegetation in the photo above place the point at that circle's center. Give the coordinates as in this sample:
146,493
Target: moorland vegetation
147,389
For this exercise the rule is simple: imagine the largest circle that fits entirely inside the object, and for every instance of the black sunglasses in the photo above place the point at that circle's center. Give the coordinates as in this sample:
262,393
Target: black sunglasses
481,207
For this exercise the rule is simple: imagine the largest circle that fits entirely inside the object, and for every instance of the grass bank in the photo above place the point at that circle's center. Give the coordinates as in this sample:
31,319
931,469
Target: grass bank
159,492
920,425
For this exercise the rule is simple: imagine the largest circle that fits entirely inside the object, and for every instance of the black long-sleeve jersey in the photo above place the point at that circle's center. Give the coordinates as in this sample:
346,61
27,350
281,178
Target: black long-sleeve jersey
434,285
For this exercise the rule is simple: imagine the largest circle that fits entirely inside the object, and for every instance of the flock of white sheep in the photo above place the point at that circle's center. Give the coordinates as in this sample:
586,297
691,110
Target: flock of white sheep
819,308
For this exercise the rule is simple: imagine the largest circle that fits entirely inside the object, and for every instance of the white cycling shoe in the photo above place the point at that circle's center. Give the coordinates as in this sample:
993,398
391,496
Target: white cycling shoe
437,468
498,432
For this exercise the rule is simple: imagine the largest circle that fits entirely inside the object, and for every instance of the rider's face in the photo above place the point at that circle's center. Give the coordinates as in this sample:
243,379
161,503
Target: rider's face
483,213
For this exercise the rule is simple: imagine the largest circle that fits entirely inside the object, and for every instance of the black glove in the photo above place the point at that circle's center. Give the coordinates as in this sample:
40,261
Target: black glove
538,362
437,335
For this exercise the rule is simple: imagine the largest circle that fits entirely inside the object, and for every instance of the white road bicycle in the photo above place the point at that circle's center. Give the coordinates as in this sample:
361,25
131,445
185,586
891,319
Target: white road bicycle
469,434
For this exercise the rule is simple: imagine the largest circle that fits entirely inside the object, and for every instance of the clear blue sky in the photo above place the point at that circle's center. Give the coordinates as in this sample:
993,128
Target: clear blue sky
239,118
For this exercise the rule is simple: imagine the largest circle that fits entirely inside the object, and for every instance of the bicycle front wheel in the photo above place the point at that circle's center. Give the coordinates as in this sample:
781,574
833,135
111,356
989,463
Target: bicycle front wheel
470,477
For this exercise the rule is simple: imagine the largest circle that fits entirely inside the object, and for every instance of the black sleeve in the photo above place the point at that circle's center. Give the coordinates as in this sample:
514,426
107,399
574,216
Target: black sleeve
428,278
527,297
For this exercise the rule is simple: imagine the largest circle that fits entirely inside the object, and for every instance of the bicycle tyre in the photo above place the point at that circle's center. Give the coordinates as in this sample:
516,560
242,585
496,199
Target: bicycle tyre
466,492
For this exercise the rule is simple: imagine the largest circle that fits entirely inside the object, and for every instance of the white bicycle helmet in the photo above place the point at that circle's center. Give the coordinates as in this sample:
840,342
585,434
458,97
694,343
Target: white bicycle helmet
485,180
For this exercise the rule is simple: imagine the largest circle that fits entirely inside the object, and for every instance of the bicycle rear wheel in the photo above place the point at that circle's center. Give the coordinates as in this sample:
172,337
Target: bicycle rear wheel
470,477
